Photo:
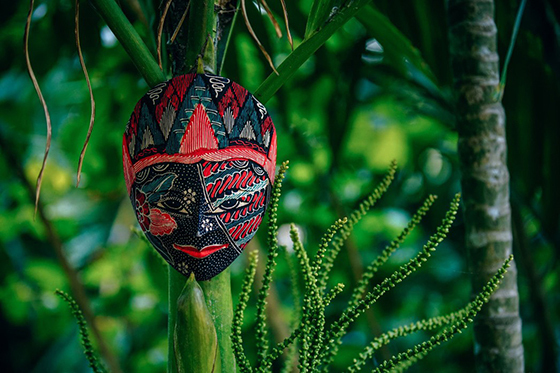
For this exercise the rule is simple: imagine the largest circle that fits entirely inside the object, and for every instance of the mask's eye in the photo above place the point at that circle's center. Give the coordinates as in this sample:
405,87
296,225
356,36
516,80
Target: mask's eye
229,204
173,205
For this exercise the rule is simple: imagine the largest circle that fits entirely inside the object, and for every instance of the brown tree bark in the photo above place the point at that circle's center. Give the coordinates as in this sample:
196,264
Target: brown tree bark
485,181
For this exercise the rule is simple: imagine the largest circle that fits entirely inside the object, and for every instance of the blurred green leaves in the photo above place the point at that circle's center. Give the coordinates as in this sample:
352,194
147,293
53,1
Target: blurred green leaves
365,97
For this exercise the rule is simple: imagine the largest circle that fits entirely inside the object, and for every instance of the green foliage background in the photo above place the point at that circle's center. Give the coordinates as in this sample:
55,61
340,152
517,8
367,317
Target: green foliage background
362,100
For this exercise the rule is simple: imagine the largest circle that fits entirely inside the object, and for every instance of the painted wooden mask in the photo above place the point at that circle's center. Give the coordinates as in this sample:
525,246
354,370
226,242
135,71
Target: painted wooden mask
199,156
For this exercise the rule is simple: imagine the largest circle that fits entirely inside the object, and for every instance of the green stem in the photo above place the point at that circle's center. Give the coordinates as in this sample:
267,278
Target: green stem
217,292
302,53
201,28
130,40
176,281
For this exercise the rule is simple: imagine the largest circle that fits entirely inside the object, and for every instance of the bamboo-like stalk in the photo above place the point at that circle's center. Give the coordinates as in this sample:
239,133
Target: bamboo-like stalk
130,40
217,291
175,283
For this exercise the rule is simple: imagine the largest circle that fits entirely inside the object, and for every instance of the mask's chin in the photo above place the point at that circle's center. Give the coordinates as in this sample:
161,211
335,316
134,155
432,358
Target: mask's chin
200,253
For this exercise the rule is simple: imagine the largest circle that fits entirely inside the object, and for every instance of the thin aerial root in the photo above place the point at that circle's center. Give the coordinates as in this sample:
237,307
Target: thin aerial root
272,19
250,29
41,98
290,40
92,100
181,21
160,31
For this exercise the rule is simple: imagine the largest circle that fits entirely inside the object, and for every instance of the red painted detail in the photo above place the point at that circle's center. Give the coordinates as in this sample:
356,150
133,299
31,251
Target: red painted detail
240,93
247,227
267,123
127,166
161,223
245,180
227,182
199,254
216,186
199,134
240,233
207,167
236,230
235,179
270,167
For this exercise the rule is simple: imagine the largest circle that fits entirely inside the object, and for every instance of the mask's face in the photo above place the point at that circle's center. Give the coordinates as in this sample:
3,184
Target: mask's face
200,216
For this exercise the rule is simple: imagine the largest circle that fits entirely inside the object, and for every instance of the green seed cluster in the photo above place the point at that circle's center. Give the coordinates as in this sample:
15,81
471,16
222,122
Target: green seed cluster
262,338
325,240
338,329
450,331
237,323
361,288
348,226
291,356
84,335
314,343
403,331
337,289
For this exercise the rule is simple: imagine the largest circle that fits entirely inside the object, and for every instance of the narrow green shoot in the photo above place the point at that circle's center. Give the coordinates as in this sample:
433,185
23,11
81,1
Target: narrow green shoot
313,318
348,226
403,331
361,288
262,338
90,353
450,331
237,342
339,327
502,85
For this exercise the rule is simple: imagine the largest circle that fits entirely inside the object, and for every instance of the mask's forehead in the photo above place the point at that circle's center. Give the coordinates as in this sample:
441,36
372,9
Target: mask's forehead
195,112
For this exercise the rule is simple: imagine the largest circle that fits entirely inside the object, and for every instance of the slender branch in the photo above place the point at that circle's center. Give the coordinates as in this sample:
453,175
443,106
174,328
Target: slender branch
254,36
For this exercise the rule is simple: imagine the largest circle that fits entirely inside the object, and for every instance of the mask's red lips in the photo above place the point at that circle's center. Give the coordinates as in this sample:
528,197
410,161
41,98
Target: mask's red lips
199,254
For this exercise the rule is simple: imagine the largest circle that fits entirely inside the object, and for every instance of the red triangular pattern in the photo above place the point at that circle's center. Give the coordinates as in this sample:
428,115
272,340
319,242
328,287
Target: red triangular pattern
240,93
127,166
199,133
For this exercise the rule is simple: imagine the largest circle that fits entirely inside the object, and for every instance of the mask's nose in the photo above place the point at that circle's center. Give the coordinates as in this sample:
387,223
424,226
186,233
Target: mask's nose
205,222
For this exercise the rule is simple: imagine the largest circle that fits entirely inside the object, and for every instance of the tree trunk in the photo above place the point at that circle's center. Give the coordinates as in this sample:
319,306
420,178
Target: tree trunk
485,181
